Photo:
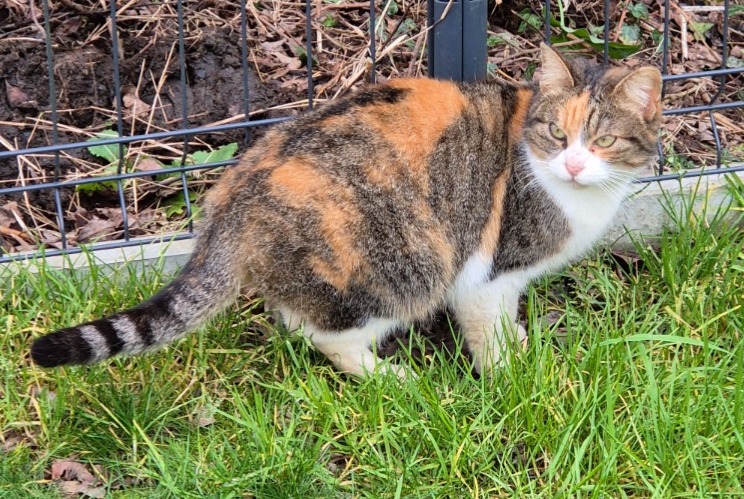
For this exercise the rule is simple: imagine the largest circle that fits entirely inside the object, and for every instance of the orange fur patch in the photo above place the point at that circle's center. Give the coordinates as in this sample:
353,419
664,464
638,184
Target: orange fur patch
492,230
298,184
414,125
221,194
264,155
572,116
337,123
524,96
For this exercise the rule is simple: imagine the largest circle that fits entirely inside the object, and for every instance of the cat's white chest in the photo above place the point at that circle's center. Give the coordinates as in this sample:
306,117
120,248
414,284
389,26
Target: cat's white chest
589,212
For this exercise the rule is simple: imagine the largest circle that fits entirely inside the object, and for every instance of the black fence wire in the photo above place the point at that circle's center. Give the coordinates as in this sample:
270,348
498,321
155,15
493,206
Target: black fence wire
456,42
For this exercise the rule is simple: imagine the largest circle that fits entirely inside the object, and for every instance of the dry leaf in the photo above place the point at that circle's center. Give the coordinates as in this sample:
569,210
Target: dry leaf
18,98
10,444
6,214
96,228
205,416
71,470
290,63
134,105
113,215
147,165
73,489
276,46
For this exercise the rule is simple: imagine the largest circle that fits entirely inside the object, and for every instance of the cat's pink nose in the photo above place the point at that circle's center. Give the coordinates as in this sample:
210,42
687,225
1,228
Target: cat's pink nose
575,159
574,168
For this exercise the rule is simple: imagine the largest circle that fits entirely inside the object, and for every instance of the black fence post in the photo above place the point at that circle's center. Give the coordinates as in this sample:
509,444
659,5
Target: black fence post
457,41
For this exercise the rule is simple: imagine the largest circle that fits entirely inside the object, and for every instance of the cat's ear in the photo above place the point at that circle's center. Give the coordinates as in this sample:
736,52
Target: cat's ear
642,90
555,74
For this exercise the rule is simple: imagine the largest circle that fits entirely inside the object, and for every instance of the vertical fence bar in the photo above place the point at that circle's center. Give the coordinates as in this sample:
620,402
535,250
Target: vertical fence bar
244,69
547,21
475,39
309,52
372,42
606,48
664,71
55,131
721,82
184,111
445,50
457,39
119,117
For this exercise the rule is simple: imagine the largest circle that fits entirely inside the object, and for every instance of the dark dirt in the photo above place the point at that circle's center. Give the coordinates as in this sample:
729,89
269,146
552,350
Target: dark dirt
85,88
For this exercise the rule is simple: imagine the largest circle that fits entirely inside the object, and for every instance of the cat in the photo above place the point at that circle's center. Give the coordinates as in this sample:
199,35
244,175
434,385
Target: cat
380,209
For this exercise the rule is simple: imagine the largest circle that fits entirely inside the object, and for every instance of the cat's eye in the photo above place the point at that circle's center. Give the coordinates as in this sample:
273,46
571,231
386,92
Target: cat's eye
605,140
556,132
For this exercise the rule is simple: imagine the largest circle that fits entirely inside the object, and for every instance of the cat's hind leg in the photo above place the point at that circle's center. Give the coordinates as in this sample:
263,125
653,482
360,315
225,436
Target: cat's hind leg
350,350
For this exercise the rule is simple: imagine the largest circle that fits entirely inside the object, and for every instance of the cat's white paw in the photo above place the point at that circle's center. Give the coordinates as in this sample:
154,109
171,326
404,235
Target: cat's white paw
493,355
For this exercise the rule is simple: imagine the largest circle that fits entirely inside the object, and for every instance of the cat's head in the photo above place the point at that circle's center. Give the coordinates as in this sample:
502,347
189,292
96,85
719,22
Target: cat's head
590,125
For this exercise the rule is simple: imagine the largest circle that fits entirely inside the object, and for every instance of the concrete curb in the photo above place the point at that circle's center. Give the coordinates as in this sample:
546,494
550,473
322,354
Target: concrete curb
652,207
644,217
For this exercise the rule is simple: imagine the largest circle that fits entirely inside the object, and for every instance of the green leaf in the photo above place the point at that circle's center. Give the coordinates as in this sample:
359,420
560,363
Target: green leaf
99,186
658,37
596,30
616,50
529,72
662,338
494,40
177,206
406,27
222,153
393,9
630,33
638,10
108,152
329,21
529,19
734,62
699,29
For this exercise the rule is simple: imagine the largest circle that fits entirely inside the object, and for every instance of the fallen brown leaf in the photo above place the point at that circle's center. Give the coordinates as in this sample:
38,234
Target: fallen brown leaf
72,488
148,164
7,216
71,470
18,98
96,228
133,105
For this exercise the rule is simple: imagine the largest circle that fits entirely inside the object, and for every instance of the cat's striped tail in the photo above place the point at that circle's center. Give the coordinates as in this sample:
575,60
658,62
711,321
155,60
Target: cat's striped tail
203,288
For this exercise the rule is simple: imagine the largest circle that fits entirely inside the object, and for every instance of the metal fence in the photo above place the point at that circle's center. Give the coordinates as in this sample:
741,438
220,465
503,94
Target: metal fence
456,49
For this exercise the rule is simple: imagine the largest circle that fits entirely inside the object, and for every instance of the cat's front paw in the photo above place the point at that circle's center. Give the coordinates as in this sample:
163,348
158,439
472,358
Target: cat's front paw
494,355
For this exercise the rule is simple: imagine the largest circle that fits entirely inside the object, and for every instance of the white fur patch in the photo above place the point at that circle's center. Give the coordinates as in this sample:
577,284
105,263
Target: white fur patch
474,273
351,349
99,347
593,169
127,332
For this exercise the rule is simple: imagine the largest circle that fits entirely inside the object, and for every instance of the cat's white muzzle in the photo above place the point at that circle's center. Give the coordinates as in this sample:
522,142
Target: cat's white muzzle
579,165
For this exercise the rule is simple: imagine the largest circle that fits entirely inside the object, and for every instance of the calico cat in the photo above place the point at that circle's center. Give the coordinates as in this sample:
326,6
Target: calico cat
381,208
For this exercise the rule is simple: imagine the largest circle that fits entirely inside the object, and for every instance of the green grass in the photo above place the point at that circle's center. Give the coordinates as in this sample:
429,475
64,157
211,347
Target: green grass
638,390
